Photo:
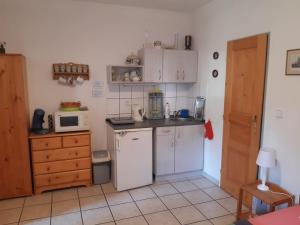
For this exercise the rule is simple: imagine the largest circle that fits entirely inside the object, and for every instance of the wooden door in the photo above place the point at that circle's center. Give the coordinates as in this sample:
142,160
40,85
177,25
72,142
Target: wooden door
152,60
189,148
246,65
172,65
189,66
15,172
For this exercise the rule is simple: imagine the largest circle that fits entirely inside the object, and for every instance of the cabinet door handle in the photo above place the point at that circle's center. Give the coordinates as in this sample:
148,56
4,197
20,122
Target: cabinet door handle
118,145
135,139
177,74
172,144
159,71
183,74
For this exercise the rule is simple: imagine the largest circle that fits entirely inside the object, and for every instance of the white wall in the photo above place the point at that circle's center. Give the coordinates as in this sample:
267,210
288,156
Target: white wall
48,32
220,21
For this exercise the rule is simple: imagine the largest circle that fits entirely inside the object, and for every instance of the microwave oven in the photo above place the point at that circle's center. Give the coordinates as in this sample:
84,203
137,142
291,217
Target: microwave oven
71,121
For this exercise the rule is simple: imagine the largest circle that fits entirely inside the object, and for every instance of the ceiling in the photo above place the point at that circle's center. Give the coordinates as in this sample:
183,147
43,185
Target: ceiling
173,5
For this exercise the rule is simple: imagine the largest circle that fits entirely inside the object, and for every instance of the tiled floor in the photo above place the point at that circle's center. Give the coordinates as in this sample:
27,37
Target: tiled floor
171,200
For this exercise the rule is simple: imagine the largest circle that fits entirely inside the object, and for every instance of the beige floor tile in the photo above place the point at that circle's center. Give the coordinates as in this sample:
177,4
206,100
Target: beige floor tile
151,205
142,193
11,203
164,189
67,219
108,188
230,204
93,202
133,221
10,216
38,199
161,218
184,186
160,180
224,220
118,198
216,193
176,178
65,194
188,214
203,183
206,222
175,201
110,223
197,196
36,212
89,191
44,221
65,207
212,209
125,210
96,216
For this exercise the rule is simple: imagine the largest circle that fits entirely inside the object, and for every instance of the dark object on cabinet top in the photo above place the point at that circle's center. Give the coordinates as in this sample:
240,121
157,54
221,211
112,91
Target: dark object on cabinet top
155,123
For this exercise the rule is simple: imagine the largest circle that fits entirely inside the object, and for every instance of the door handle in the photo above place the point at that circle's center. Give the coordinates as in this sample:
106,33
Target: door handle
183,74
172,144
135,139
118,145
159,71
177,74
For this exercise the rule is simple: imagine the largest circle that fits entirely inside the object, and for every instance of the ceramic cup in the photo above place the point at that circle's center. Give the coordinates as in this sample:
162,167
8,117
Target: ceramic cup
62,80
79,80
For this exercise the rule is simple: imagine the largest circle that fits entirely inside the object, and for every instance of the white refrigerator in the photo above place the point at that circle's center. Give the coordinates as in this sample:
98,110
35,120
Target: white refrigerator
131,152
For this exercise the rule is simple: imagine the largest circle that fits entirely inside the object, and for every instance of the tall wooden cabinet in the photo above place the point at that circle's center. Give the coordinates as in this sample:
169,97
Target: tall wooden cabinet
15,172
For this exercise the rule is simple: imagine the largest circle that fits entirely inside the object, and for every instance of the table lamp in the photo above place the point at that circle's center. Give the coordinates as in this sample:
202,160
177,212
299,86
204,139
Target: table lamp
265,159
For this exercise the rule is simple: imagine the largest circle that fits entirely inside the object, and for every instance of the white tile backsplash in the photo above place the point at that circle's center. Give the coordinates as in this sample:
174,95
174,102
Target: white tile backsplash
120,97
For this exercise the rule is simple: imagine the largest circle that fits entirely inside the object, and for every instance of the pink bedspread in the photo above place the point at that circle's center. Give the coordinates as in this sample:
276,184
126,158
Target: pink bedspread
288,216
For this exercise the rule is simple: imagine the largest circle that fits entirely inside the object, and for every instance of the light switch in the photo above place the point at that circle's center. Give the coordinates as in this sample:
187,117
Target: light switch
278,114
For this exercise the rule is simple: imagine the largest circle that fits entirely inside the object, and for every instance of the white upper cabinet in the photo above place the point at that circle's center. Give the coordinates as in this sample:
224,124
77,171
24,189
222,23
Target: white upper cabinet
169,66
152,59
180,66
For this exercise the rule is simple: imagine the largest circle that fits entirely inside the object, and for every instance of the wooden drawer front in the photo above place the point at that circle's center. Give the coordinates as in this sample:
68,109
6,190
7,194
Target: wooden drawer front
61,154
62,178
78,140
61,166
46,143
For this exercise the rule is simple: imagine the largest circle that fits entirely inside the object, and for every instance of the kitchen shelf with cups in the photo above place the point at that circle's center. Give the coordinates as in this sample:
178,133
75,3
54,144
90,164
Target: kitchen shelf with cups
67,70
125,74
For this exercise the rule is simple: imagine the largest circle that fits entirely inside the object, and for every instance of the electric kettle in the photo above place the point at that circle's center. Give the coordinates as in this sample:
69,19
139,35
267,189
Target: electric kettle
138,112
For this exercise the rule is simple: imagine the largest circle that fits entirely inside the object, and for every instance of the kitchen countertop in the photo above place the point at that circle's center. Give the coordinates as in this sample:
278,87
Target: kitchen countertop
155,123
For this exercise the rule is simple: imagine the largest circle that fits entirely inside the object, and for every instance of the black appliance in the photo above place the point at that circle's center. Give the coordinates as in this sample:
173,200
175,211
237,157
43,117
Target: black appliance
37,122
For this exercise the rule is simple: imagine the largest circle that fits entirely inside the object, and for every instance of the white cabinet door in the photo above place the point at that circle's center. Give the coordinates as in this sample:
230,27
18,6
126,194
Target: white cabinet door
134,159
189,148
172,65
164,151
189,70
152,60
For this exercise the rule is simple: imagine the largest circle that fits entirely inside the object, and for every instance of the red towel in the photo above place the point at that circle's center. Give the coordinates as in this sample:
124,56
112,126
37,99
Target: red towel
208,130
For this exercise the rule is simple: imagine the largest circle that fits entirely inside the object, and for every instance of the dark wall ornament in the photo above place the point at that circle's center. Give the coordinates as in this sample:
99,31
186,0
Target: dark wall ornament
215,73
215,55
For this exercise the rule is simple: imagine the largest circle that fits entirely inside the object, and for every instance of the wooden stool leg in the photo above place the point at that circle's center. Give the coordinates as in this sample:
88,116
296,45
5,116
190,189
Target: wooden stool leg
239,205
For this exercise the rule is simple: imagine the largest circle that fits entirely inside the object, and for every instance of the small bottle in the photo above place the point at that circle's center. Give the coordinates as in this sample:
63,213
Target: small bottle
167,110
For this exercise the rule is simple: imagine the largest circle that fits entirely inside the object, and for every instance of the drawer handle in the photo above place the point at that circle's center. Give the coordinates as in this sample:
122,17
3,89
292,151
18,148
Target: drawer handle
48,168
76,141
77,165
77,176
47,144
49,180
47,156
166,131
76,153
135,139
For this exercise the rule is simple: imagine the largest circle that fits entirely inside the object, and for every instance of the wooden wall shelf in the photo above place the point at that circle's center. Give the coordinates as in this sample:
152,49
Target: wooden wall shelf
70,70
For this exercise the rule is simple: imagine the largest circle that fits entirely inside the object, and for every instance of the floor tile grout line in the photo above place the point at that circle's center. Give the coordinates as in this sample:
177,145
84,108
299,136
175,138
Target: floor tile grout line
138,208
23,205
51,208
81,216
108,204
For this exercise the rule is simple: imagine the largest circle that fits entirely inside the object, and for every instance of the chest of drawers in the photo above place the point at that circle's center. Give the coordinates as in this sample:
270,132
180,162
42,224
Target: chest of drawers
60,160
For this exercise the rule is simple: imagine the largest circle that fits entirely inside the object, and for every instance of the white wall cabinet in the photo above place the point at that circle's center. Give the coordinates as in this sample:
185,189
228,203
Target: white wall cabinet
131,152
178,149
169,66
152,59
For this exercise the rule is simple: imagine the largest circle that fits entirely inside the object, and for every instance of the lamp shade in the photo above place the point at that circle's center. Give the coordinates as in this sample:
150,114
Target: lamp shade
266,158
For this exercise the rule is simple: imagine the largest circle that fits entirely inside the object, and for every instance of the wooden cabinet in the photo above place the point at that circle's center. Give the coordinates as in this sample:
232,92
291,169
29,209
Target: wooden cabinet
61,160
180,66
15,172
152,59
178,149
189,148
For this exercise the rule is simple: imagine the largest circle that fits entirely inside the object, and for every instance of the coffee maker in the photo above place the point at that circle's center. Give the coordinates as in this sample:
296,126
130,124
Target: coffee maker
37,122
199,108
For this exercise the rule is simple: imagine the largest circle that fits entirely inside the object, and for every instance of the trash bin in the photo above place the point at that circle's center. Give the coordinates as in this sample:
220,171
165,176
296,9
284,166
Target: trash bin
101,166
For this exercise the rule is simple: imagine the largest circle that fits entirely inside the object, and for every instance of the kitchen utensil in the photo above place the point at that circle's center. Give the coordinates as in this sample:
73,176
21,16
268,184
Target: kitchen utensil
37,122
188,42
167,110
199,108
138,112
156,110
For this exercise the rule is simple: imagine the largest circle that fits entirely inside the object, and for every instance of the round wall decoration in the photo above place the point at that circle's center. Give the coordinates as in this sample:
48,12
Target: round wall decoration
215,73
215,55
